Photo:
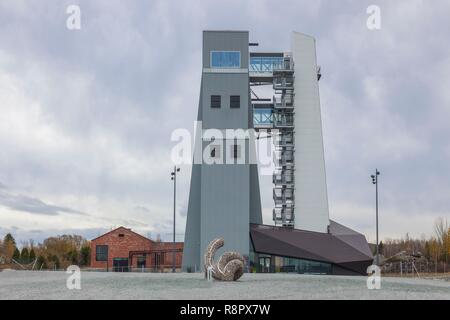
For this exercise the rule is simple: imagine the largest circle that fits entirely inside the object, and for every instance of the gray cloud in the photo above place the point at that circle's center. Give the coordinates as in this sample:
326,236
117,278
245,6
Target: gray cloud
142,209
32,205
124,222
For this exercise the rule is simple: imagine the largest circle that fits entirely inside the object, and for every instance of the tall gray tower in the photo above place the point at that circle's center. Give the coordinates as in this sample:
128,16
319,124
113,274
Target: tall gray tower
224,197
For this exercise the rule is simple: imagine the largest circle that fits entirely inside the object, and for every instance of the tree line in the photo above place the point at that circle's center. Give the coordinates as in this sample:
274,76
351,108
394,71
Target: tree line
61,251
435,249
53,253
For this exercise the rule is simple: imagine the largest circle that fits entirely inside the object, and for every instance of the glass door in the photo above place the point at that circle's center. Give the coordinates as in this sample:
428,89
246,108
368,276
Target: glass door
264,264
120,264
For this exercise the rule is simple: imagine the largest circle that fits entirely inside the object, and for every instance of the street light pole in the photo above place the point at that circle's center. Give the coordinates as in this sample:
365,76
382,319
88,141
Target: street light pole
375,182
174,178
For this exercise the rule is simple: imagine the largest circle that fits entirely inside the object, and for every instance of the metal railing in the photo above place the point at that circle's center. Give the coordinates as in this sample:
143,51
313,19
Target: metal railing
166,268
283,119
265,64
262,117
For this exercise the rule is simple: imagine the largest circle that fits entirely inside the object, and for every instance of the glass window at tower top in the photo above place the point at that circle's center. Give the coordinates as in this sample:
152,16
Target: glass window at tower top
225,59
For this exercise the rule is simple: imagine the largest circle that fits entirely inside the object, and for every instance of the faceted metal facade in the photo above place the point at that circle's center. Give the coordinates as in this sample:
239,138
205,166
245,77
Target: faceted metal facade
346,250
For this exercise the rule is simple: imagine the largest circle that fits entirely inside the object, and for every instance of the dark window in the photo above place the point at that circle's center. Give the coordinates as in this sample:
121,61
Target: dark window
215,101
235,101
215,151
120,265
121,235
236,151
141,261
101,253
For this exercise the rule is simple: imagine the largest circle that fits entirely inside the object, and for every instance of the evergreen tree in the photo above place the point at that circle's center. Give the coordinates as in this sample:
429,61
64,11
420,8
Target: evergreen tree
25,255
16,254
85,256
32,255
72,256
9,238
41,264
9,246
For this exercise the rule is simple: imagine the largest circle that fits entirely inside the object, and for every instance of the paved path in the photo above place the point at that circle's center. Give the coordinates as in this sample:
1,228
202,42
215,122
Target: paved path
100,285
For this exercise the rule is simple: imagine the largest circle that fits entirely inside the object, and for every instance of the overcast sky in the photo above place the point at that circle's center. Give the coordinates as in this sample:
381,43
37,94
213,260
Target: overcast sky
86,115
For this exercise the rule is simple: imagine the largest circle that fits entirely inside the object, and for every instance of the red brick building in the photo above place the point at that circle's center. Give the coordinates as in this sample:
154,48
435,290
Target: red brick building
124,250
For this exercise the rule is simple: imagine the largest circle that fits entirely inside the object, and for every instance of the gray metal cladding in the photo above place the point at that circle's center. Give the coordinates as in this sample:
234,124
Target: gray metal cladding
225,41
222,197
191,250
225,85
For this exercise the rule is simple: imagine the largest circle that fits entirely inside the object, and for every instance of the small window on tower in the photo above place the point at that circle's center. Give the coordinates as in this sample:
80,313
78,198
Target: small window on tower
236,151
215,152
235,101
215,101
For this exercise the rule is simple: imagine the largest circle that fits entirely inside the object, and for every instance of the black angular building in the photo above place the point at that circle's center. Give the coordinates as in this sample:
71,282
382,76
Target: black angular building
342,251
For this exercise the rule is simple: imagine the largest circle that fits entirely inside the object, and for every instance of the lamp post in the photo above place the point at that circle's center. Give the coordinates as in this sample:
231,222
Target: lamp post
375,182
174,178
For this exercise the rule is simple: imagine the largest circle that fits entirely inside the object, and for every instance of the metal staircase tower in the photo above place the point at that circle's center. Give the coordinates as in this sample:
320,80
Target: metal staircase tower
283,120
277,70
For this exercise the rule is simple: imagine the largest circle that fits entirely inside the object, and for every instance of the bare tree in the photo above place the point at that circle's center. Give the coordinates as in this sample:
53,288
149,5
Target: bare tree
441,230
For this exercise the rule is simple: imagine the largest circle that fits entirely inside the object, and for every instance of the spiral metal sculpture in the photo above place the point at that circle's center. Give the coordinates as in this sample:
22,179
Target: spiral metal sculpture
230,266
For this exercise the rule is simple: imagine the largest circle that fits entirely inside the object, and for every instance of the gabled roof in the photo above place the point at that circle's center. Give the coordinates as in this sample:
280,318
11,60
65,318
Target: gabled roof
123,228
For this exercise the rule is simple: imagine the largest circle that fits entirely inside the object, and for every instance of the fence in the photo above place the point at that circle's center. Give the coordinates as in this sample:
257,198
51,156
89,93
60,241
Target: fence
415,267
133,268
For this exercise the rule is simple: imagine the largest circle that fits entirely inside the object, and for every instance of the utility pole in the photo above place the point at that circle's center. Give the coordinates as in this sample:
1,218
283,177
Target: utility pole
375,182
174,178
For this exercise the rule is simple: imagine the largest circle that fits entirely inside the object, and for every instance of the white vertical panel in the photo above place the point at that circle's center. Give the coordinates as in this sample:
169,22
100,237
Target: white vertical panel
311,199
